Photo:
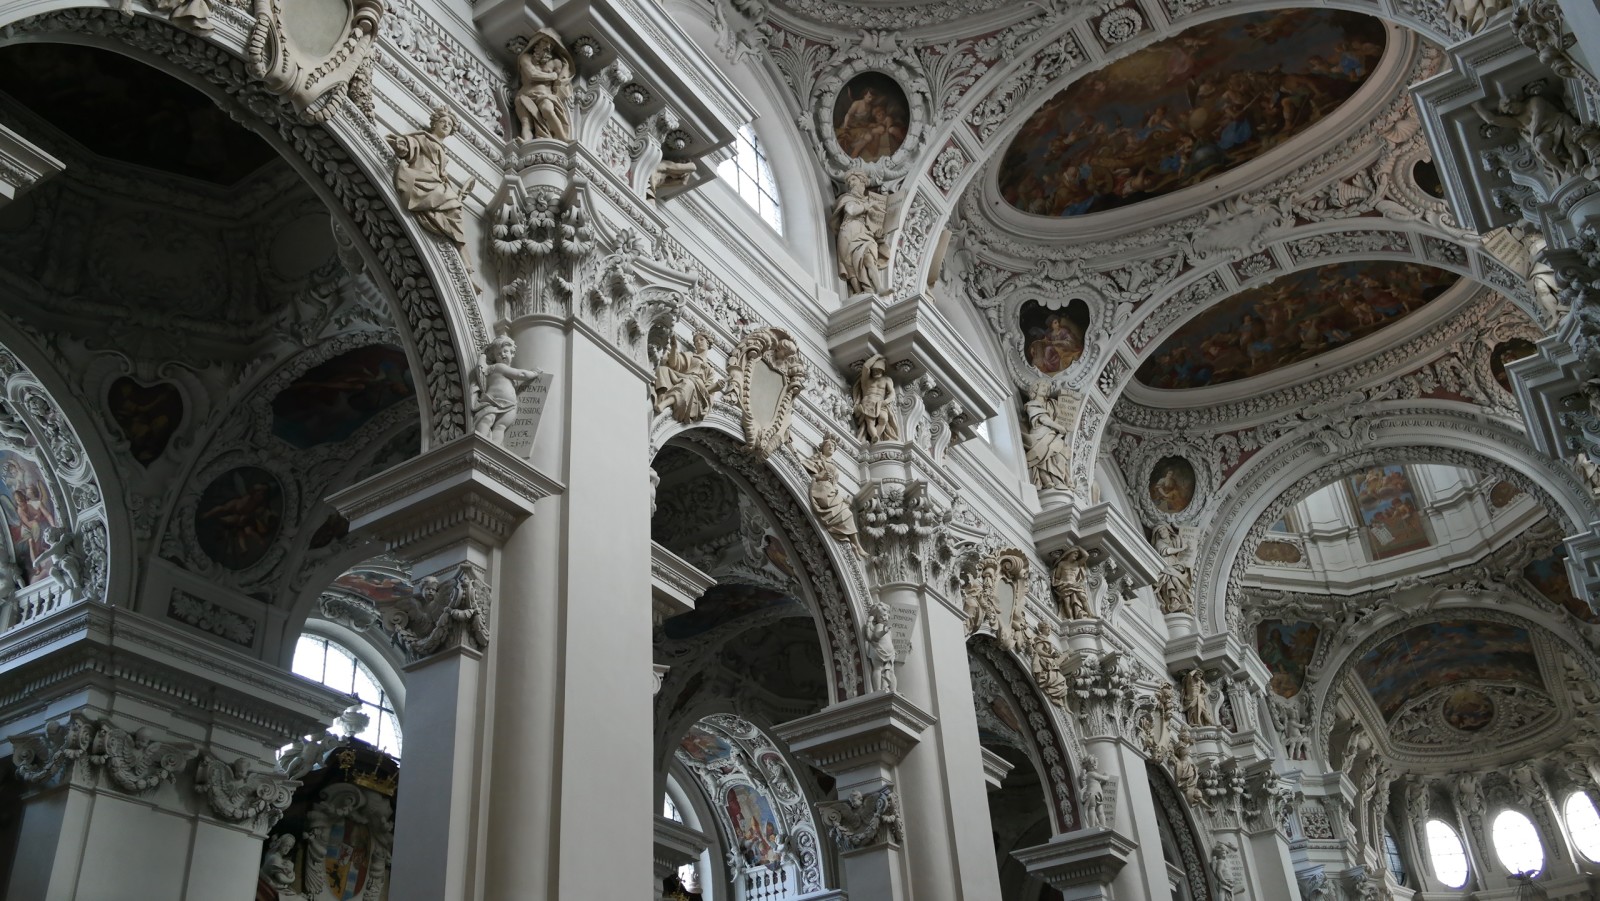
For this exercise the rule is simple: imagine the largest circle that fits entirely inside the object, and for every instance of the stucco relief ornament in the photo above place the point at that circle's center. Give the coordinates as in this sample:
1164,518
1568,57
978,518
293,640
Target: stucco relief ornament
859,821
315,85
442,615
1175,585
765,374
10,581
1564,147
1069,582
277,866
829,502
880,641
685,380
1225,866
1047,665
238,793
423,182
978,601
543,104
859,216
1046,437
496,386
1184,771
874,395
67,563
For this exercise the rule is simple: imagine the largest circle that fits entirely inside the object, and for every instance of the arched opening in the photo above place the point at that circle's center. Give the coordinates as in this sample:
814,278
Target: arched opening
1447,855
1182,848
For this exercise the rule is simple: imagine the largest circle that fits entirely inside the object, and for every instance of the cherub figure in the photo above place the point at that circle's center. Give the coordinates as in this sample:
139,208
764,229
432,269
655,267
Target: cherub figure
67,557
496,384
880,638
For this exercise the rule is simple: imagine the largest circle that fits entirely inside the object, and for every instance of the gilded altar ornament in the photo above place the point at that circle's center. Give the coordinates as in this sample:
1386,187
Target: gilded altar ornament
1044,440
858,216
880,641
685,380
1069,582
543,103
1175,585
828,500
874,394
315,86
495,387
422,179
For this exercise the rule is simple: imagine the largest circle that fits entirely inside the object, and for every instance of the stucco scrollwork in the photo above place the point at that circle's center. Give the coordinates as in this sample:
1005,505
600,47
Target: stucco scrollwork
239,793
277,54
82,749
443,614
859,821
766,372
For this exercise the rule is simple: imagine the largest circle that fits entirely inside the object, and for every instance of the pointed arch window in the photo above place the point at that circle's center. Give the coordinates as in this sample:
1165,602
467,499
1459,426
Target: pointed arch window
750,176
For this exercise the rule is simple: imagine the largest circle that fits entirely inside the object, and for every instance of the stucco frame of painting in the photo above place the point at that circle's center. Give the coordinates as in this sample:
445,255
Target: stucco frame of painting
1056,298
344,162
1205,480
898,67
1548,648
182,536
291,371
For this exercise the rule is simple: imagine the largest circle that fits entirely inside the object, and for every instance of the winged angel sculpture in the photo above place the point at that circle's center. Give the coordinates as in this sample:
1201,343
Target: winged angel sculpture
861,820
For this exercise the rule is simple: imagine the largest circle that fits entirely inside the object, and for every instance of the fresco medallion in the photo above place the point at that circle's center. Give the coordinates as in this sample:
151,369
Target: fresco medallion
1287,649
1172,484
238,516
148,415
1468,710
871,117
1053,339
1187,108
1507,352
1290,319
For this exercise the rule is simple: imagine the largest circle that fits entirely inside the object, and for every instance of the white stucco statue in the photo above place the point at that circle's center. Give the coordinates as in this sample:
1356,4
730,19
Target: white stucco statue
1225,865
1093,795
544,96
496,384
669,174
1560,143
423,182
1175,585
828,500
685,380
1069,581
1044,438
880,639
874,394
67,563
277,867
1047,660
1197,699
10,581
858,217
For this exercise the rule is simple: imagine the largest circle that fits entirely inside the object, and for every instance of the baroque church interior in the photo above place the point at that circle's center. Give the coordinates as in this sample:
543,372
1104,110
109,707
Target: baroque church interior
799,449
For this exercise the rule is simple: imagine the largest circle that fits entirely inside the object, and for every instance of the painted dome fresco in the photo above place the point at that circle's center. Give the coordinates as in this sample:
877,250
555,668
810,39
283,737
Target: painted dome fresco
1290,319
1187,108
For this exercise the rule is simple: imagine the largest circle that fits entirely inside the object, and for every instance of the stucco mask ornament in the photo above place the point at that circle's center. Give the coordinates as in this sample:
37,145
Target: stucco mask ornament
315,52
543,104
1045,439
765,374
422,179
874,393
496,389
685,380
859,216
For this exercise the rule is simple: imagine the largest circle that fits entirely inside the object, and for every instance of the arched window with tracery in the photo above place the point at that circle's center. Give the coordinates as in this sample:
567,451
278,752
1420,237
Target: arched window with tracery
749,174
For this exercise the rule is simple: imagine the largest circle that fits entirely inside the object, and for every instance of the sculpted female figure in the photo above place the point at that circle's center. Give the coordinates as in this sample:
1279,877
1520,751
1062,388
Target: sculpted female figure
828,500
1045,441
685,381
424,184
859,215
543,102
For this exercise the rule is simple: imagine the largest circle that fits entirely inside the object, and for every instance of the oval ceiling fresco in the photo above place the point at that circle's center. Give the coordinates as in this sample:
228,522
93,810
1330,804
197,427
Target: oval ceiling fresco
1448,652
1289,319
1187,108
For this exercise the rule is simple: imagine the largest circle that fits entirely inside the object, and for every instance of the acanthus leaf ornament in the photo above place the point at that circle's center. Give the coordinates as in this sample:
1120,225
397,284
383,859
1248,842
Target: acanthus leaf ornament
315,85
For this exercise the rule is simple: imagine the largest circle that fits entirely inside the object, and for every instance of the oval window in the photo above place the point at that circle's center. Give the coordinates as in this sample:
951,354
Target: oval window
1516,842
1583,821
1448,856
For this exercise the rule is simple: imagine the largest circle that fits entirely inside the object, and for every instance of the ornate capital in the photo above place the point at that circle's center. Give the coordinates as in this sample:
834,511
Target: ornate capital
239,793
905,531
873,731
1090,857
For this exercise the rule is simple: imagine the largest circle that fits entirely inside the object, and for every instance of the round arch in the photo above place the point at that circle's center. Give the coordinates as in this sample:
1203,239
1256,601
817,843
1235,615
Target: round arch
434,305
1285,473
1055,752
835,581
1178,826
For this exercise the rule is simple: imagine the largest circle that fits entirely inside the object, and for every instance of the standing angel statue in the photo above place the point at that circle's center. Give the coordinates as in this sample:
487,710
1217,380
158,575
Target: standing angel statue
1563,145
544,98
1045,439
685,380
874,394
423,182
859,216
496,384
1093,794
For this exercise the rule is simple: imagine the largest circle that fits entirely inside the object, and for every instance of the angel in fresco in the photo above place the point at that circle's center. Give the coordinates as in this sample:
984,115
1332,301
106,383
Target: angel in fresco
544,99
859,215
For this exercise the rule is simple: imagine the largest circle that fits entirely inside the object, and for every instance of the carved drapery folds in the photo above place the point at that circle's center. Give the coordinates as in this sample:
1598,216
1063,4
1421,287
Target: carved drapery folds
1048,416
422,179
81,750
859,218
316,85
543,104
1175,585
443,614
1069,583
239,793
766,372
860,821
828,500
685,380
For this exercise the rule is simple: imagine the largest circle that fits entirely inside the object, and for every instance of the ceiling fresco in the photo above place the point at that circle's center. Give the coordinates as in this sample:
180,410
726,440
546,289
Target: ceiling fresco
333,400
1447,652
124,110
1287,648
1391,513
1290,319
1187,108
1548,575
